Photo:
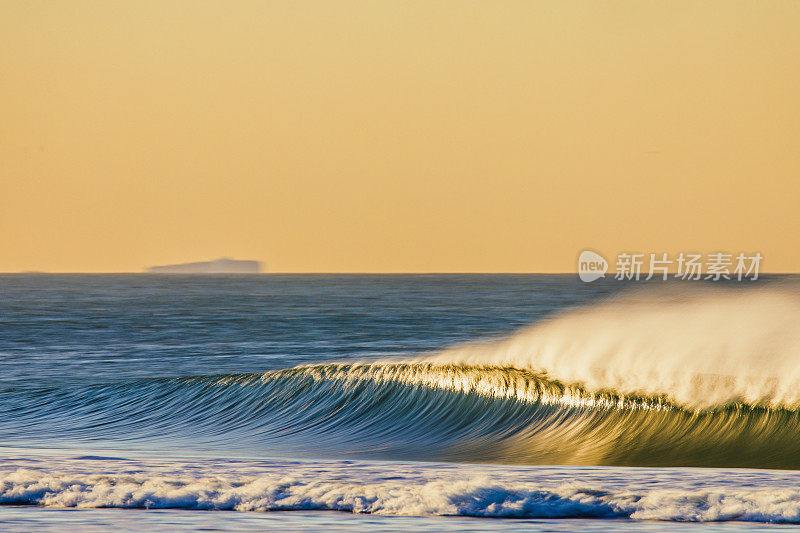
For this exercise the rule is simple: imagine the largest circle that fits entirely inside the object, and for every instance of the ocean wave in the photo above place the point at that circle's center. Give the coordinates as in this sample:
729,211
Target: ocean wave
656,378
418,411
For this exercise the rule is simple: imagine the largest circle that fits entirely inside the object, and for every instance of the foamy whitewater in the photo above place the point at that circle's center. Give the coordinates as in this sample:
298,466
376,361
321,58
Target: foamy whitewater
380,395
401,489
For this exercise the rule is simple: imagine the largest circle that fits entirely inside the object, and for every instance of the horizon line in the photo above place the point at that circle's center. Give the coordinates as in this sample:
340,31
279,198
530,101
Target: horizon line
356,273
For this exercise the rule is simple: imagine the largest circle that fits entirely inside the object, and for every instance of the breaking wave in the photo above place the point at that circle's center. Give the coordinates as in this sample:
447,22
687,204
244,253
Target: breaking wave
707,378
419,411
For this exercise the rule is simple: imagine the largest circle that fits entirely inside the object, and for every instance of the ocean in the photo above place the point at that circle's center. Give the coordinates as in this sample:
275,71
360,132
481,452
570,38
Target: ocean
397,403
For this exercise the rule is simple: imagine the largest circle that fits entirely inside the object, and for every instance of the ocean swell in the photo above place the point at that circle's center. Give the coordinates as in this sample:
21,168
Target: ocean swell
417,411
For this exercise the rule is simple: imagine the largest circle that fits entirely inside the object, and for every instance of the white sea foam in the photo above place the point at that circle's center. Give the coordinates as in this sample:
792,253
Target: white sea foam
699,346
550,492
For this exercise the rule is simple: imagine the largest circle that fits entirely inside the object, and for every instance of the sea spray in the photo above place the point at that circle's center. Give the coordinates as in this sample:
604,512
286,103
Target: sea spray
700,346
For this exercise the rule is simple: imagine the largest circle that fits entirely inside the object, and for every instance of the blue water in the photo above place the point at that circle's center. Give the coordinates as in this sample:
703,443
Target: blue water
310,401
76,329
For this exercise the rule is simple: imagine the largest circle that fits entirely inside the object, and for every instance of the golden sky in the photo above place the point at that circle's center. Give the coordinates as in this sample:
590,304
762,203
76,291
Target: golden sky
387,136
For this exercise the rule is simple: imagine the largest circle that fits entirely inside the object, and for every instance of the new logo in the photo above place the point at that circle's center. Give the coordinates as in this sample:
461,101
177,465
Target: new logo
591,266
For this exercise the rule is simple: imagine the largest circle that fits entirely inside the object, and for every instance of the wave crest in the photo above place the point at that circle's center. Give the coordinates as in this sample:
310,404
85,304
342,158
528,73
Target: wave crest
418,411
701,348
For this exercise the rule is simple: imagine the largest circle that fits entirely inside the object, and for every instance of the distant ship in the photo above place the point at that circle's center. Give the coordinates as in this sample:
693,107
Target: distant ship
223,265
